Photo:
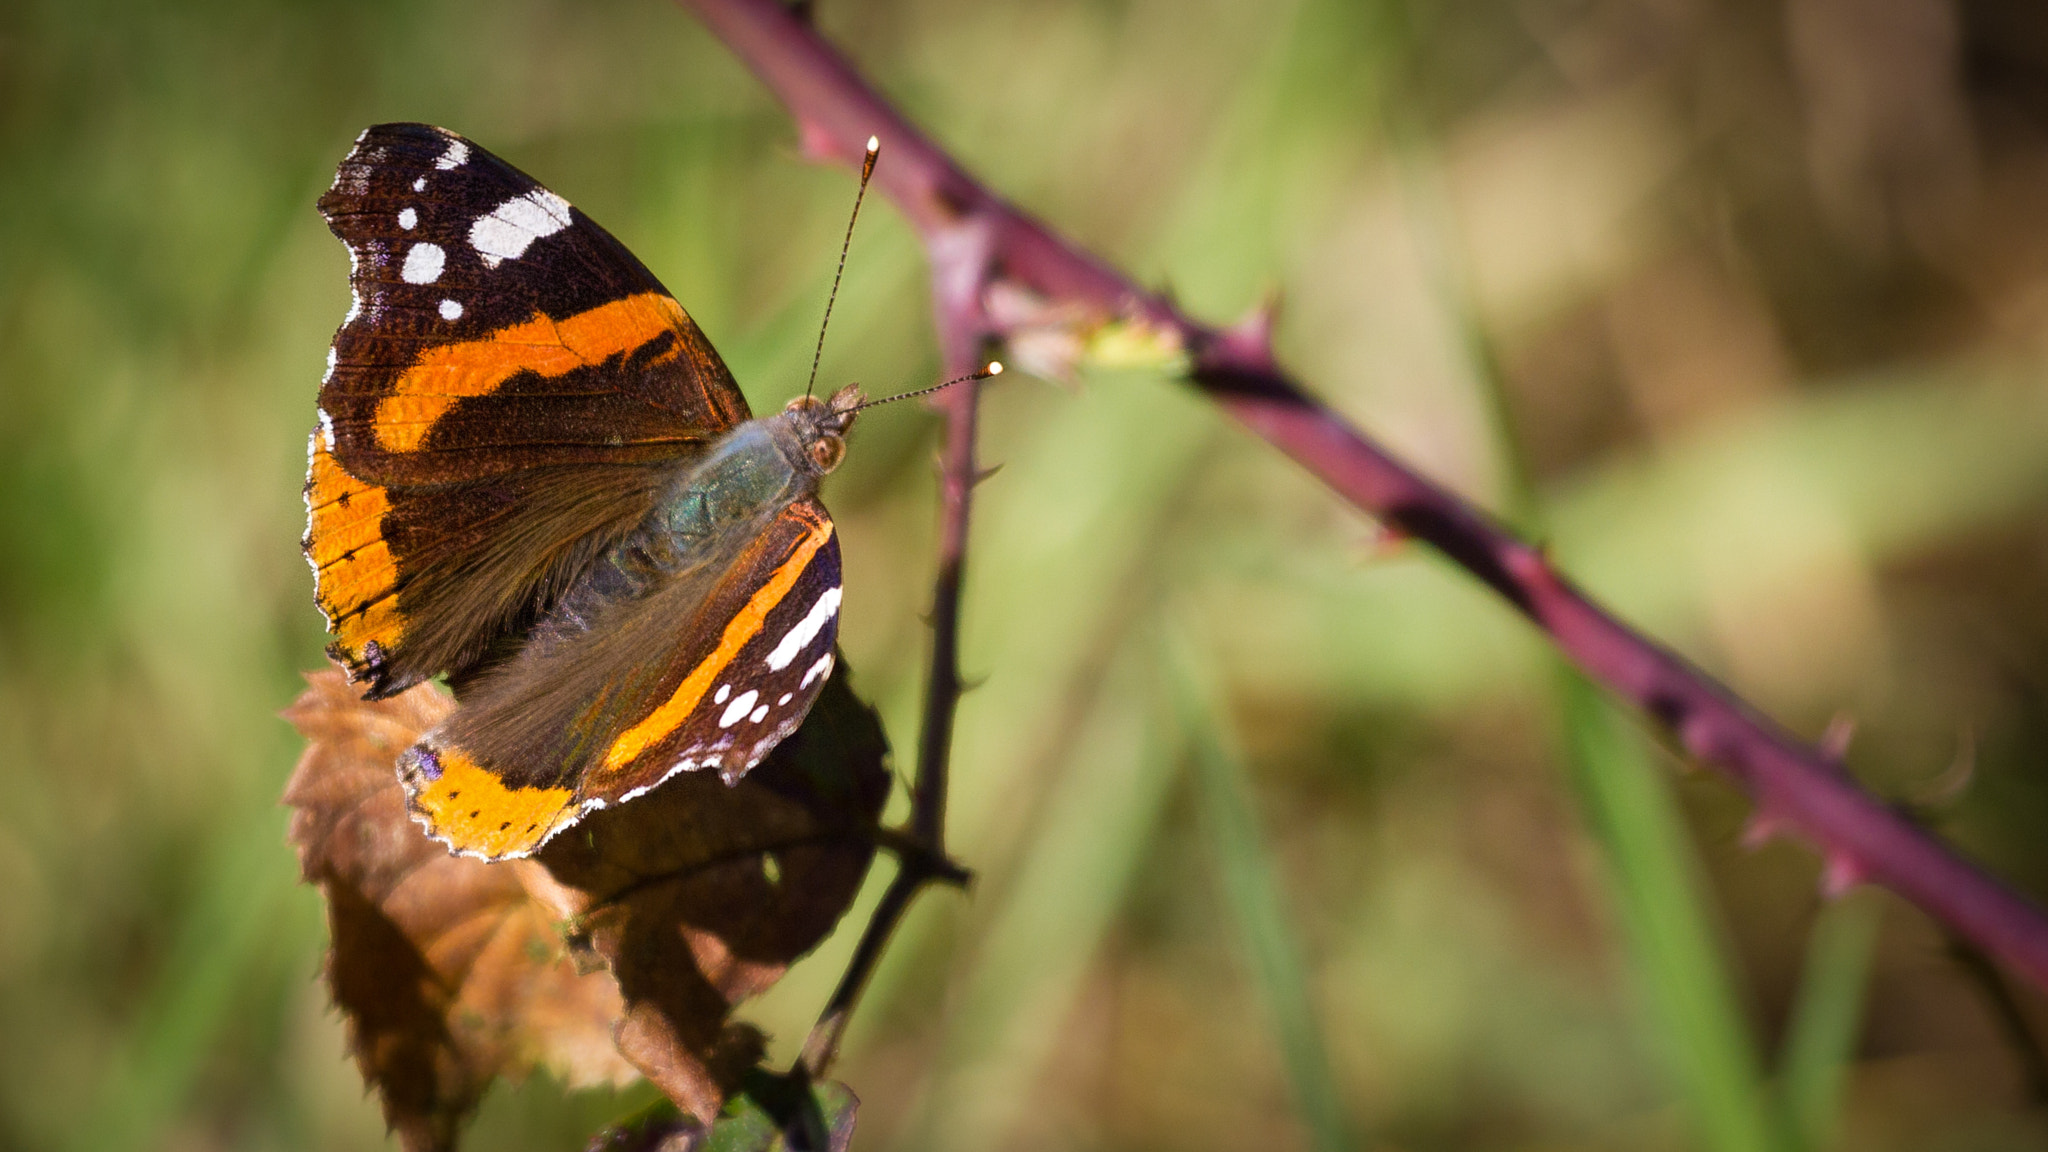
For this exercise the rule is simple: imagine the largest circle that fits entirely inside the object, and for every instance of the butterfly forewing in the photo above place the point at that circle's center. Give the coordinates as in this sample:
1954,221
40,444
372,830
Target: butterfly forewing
505,396
493,326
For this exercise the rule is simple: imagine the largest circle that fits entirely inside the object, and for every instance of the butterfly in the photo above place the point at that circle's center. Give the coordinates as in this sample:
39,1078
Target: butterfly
533,475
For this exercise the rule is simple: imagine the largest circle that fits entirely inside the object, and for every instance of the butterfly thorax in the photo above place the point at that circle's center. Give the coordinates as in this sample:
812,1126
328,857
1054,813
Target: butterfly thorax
715,501
751,472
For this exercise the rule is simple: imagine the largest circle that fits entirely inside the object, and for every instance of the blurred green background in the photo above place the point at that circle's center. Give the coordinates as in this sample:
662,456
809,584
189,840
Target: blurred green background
1288,835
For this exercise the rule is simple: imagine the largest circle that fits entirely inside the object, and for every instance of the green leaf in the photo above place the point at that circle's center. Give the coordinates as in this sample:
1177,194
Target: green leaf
1661,902
1257,903
1664,907
770,1113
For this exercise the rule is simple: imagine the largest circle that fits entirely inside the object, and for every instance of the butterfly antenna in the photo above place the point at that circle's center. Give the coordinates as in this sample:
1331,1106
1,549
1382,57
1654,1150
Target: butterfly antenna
867,172
995,368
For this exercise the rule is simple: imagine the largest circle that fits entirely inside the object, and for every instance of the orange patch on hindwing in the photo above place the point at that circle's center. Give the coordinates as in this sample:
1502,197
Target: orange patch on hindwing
355,576
473,811
740,629
448,373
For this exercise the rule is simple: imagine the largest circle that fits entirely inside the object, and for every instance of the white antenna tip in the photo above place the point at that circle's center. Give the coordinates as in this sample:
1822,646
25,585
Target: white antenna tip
995,367
874,145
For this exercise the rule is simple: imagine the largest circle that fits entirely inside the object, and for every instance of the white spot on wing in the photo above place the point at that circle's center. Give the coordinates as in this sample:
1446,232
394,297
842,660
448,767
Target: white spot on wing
423,264
805,631
755,716
506,231
723,694
420,185
785,699
407,219
822,668
451,310
740,706
457,153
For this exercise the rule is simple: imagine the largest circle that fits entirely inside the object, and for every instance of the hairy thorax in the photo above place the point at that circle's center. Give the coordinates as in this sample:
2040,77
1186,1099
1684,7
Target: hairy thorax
711,505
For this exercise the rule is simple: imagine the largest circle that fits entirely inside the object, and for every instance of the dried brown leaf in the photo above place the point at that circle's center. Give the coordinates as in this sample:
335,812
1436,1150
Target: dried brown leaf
448,972
696,896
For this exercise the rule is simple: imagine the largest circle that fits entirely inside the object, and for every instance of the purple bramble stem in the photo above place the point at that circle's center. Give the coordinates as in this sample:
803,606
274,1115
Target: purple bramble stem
976,240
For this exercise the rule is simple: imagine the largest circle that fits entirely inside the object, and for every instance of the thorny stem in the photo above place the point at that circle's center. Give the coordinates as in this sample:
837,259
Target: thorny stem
821,1047
921,848
975,240
963,327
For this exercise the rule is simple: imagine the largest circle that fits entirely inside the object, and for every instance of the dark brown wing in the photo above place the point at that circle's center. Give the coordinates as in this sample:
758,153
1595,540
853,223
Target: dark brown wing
504,398
706,673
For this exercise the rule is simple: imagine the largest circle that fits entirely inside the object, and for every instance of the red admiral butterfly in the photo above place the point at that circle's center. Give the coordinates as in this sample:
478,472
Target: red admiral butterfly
533,475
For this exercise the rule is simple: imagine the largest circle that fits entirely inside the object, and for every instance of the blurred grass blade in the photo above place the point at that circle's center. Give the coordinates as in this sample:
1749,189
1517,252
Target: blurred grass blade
1026,970
1827,1017
1674,951
1256,901
228,944
1628,806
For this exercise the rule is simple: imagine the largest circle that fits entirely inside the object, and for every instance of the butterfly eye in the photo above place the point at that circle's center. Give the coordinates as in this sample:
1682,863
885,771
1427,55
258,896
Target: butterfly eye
827,452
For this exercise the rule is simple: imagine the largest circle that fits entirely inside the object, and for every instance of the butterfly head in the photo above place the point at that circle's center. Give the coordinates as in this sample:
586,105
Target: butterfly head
821,425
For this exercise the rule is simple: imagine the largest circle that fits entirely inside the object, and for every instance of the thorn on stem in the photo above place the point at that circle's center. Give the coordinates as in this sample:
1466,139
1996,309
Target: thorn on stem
814,142
1384,541
1834,742
1528,563
1761,830
1841,874
1253,332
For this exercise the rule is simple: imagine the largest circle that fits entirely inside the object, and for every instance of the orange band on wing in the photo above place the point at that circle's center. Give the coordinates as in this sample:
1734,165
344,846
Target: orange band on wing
473,811
740,629
446,374
354,574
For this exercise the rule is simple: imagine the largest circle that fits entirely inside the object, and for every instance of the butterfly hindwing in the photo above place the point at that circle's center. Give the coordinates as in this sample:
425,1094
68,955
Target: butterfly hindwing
707,673
508,392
